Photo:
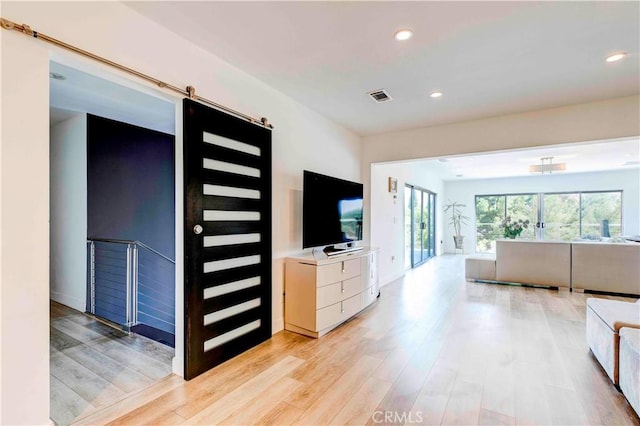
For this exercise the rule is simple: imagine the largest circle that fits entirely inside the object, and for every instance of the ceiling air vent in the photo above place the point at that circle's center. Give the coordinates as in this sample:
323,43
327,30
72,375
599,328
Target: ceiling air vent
380,95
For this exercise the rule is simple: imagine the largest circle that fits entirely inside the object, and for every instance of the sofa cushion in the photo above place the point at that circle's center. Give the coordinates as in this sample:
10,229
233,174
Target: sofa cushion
616,314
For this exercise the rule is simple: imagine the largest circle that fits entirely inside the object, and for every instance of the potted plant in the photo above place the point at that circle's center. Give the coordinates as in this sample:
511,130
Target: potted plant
457,220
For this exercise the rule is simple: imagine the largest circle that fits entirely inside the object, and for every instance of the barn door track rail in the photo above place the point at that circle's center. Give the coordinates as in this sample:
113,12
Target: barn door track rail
189,91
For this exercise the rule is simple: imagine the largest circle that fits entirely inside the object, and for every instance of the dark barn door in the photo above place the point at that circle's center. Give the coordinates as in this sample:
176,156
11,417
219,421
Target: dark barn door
227,182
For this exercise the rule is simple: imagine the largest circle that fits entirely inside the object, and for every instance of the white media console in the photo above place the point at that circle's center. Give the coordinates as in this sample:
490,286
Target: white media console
322,292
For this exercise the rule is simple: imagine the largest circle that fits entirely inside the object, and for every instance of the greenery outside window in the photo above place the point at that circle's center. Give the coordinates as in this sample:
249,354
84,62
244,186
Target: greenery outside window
420,225
554,216
598,206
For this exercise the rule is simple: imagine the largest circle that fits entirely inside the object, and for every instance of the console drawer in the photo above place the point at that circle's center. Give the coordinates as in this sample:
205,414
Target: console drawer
333,293
339,271
338,312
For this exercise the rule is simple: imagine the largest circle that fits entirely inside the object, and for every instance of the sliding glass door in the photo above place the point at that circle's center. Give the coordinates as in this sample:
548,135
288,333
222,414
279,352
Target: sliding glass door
420,224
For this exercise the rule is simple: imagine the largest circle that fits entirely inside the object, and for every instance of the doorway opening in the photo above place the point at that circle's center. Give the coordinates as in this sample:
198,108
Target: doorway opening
112,241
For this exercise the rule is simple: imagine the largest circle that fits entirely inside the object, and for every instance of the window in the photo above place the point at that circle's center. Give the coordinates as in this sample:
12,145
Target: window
491,210
561,216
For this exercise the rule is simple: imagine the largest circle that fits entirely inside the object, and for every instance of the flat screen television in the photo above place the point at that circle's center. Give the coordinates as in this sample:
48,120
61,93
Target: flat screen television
331,212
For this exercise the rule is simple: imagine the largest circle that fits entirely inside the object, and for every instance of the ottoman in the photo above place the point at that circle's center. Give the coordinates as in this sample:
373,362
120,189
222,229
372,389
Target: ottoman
605,318
629,369
480,268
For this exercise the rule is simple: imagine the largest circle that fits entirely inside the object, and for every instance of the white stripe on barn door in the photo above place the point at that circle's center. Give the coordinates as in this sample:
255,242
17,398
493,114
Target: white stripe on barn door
230,143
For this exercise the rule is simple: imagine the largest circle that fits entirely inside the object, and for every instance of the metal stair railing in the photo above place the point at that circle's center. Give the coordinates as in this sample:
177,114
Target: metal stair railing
114,284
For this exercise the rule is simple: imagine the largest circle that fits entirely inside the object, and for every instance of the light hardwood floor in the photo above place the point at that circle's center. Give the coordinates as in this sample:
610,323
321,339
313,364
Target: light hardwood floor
93,365
434,349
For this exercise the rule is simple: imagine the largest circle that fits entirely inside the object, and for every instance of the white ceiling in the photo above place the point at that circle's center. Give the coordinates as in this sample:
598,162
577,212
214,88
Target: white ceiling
579,158
391,62
83,92
489,58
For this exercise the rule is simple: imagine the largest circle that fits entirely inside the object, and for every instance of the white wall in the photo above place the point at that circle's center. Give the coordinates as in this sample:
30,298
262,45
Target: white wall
465,191
24,227
595,121
302,139
387,213
68,220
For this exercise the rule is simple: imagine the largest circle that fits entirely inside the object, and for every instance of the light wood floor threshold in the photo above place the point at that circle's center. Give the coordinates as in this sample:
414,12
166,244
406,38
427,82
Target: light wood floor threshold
130,402
93,364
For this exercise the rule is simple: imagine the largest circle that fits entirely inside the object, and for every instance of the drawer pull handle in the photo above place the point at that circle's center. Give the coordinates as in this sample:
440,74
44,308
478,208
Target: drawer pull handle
343,266
341,287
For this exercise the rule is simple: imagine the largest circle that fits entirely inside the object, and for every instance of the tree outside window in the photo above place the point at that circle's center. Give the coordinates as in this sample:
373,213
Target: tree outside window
566,216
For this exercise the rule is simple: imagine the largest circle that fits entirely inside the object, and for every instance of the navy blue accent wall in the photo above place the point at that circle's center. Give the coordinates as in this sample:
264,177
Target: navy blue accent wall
130,182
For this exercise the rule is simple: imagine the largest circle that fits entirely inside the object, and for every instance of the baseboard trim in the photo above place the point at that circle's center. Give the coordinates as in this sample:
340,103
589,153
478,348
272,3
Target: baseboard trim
391,278
177,365
70,301
277,325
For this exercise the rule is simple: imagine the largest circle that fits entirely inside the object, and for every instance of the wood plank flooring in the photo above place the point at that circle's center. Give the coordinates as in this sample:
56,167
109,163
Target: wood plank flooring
434,349
93,365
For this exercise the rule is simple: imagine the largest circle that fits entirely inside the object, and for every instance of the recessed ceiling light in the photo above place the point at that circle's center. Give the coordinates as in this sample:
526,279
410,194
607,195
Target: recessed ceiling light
436,94
402,35
616,57
56,76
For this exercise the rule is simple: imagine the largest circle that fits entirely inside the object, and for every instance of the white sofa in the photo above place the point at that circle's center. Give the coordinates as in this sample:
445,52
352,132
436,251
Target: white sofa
605,318
629,366
480,268
579,266
607,267
613,335
546,263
